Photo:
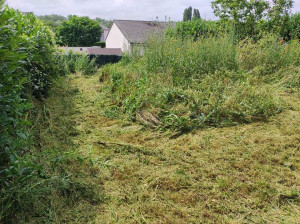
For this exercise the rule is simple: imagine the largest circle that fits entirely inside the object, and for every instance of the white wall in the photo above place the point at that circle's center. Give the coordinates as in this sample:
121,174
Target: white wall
116,39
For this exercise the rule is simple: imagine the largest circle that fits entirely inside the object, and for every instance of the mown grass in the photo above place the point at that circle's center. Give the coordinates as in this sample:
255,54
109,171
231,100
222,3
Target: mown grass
243,167
239,160
65,191
239,174
108,170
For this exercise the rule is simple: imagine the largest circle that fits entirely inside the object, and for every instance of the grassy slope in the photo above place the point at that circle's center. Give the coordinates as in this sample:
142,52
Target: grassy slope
242,174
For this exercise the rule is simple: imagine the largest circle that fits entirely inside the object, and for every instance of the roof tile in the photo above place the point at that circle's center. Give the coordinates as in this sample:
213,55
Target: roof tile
138,31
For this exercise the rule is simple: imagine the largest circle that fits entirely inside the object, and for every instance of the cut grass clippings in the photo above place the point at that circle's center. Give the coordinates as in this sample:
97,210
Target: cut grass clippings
239,174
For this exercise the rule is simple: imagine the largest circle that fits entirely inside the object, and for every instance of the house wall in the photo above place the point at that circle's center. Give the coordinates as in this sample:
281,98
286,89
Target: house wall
116,39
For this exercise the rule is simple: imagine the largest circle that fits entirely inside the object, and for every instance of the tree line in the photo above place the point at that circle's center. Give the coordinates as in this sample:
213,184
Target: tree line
75,31
188,14
251,18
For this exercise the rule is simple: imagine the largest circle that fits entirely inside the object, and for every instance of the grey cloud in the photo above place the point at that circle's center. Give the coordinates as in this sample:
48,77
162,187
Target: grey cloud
114,9
118,9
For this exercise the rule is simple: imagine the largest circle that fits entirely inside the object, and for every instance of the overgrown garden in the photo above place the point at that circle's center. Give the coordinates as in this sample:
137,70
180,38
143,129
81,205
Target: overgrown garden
71,150
211,73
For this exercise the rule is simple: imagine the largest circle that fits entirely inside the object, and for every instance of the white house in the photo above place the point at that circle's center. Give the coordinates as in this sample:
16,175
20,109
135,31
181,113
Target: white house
131,35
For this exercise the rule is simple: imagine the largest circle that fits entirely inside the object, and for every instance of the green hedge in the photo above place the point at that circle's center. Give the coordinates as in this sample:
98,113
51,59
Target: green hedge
105,59
101,44
28,64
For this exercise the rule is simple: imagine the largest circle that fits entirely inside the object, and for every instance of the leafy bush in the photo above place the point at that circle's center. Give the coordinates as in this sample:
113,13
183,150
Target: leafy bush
90,67
28,64
63,65
196,28
101,44
294,26
33,44
268,54
27,60
101,60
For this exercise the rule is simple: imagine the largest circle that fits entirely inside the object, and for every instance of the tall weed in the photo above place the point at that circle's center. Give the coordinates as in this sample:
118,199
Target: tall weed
185,59
212,81
77,63
268,54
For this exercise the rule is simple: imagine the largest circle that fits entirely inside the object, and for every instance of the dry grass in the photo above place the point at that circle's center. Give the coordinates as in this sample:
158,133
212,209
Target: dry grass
241,174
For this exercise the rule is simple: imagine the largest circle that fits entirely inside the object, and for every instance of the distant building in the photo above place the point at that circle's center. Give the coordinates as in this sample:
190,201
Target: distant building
131,35
105,32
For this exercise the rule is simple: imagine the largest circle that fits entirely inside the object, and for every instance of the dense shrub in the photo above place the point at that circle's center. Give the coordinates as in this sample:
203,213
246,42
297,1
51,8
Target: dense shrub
194,28
79,31
34,45
294,26
101,44
28,64
286,26
268,54
101,60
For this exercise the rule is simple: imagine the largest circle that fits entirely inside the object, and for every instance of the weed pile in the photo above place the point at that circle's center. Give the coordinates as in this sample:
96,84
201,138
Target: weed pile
213,81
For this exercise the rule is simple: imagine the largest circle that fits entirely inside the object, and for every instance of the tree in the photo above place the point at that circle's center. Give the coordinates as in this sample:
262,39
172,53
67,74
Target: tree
295,26
251,17
79,31
187,14
280,9
245,14
240,10
107,23
196,14
279,17
53,21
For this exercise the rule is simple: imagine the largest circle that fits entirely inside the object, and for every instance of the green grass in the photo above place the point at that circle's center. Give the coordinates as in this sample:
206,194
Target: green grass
239,174
66,185
185,85
151,140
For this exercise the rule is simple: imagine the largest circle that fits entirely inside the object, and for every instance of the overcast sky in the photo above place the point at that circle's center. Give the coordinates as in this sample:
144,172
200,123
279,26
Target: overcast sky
118,9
